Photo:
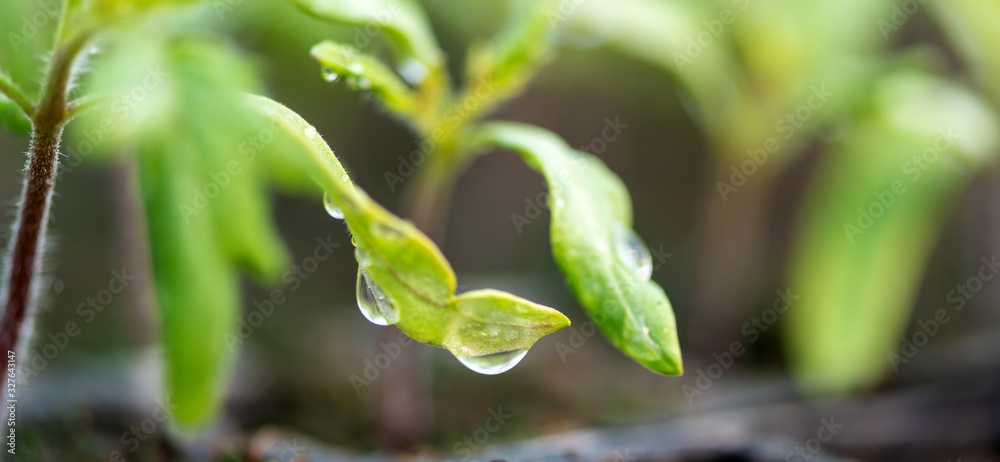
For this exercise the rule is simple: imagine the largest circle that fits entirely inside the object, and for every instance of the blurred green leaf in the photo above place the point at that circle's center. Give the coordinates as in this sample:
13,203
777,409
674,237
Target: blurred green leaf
870,222
413,284
115,10
13,117
663,33
971,24
205,198
28,29
606,265
500,69
403,22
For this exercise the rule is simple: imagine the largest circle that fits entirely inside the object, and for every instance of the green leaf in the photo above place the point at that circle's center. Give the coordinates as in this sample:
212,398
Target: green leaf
971,25
205,197
855,267
416,280
402,21
500,69
604,262
658,32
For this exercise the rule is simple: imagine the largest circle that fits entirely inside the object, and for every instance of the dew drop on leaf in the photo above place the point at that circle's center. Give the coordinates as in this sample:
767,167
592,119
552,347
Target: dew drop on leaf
362,83
413,71
374,304
493,364
330,75
331,207
363,260
634,254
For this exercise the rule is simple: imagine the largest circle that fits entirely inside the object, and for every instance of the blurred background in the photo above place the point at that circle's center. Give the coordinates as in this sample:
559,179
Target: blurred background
794,310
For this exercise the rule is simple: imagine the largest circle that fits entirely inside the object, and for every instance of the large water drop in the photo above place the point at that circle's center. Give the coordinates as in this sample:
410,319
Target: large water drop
634,254
374,304
331,207
493,364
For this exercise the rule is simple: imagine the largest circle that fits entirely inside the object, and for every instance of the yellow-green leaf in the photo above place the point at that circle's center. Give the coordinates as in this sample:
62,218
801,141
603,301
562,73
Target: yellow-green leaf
413,281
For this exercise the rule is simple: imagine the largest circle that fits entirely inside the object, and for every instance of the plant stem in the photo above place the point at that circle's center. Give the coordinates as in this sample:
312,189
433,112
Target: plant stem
36,197
401,400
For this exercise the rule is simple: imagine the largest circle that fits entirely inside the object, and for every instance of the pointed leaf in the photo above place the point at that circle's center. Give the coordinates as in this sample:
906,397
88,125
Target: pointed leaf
593,242
406,266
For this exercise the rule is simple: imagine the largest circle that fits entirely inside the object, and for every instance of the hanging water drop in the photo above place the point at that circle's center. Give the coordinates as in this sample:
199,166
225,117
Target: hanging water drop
493,364
331,207
413,71
362,83
330,75
374,304
634,254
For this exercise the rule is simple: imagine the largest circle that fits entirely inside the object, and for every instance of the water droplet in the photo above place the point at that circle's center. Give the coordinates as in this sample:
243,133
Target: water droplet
331,207
374,304
58,286
355,68
634,254
362,83
330,75
363,260
493,364
413,71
